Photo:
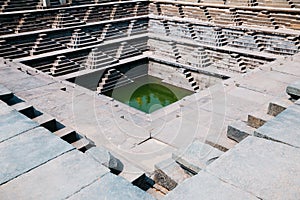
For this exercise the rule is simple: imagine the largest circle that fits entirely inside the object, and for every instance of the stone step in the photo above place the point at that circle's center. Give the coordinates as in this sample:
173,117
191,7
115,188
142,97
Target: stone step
26,109
67,134
5,94
46,121
111,186
196,156
258,119
239,130
294,90
38,146
73,170
104,157
276,107
82,144
169,174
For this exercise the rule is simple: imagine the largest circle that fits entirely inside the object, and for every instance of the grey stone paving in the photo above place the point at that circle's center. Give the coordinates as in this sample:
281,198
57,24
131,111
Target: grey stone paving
18,81
284,127
267,169
57,179
14,123
113,188
27,151
208,187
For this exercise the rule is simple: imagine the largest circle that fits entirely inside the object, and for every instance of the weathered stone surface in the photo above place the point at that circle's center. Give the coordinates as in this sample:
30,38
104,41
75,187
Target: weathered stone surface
206,186
294,90
27,151
197,156
25,83
239,130
57,179
284,127
14,123
267,169
168,174
112,187
103,156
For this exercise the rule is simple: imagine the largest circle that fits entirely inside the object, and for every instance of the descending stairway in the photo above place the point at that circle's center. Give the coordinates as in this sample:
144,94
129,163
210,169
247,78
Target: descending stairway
98,58
190,78
64,19
81,39
63,65
112,79
199,58
44,44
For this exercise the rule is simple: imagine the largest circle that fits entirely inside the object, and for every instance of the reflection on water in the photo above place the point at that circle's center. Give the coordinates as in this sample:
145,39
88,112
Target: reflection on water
148,94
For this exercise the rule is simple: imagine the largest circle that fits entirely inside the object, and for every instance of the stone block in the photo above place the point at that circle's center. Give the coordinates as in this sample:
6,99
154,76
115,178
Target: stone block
276,107
206,186
112,187
169,174
27,151
239,130
104,157
5,94
267,169
196,156
14,123
4,108
258,119
283,128
57,179
294,90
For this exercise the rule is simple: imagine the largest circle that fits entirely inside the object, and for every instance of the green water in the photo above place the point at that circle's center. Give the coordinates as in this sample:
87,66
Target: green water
148,94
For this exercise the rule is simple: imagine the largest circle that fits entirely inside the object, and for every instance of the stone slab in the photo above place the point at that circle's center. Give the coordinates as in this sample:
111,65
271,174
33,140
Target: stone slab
104,157
294,89
27,151
267,169
16,80
209,187
239,130
4,108
258,119
113,188
277,106
169,174
284,127
196,156
5,93
57,179
14,123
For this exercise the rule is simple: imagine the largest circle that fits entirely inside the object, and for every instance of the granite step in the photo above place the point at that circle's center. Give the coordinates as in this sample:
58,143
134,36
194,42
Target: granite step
169,174
276,107
294,90
111,186
239,130
257,119
196,156
59,178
